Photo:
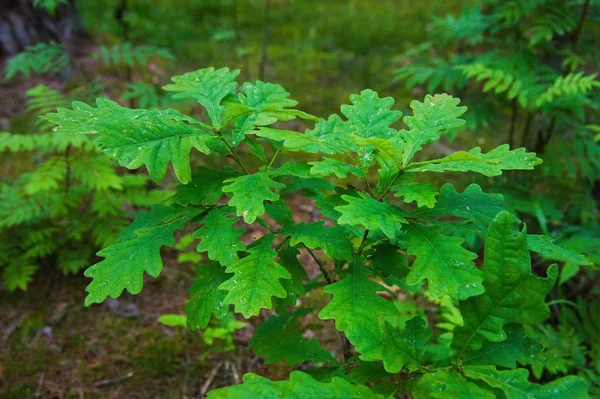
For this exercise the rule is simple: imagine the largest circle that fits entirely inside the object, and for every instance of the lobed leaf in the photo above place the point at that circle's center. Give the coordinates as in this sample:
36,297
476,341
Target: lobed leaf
249,192
219,238
206,299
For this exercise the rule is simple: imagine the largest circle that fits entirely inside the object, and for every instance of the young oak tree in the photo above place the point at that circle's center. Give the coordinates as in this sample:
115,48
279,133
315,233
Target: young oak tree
370,241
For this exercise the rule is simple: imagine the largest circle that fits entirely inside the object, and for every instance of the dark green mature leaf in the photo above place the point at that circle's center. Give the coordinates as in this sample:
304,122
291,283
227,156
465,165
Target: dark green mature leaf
256,279
443,261
472,204
518,347
515,384
512,293
137,137
278,339
332,240
360,313
207,86
430,119
288,258
249,193
205,188
489,164
219,238
423,193
445,384
370,117
330,166
372,214
546,247
299,386
126,261
206,299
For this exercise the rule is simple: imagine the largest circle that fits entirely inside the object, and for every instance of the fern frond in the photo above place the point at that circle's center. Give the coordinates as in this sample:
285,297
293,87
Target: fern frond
43,100
16,208
18,274
126,54
41,58
555,21
470,26
95,172
47,177
146,95
569,85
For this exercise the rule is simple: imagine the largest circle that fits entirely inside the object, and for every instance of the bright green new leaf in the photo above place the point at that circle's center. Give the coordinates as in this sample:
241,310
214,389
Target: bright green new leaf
515,384
330,166
332,240
249,192
207,86
137,137
206,299
446,384
219,238
435,115
173,320
546,247
489,164
126,261
205,188
360,313
370,117
423,193
472,204
278,339
443,261
388,172
512,293
371,214
299,386
256,279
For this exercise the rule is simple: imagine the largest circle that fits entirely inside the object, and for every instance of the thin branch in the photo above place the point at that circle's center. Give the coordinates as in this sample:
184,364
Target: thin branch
273,159
234,155
325,273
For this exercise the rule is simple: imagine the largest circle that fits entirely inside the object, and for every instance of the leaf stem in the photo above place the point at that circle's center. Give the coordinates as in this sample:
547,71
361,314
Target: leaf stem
273,159
362,243
234,155
325,273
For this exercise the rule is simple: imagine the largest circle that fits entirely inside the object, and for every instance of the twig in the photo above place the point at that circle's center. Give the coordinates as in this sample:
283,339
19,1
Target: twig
112,381
209,380
325,273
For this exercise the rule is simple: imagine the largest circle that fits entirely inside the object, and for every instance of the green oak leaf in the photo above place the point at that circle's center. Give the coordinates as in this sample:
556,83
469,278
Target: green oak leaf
472,204
515,384
512,293
371,214
331,136
207,86
370,117
546,247
330,166
300,385
249,192
488,164
125,262
360,313
137,137
388,173
256,279
206,299
278,339
443,261
332,240
435,115
288,258
445,384
218,237
423,193
205,188
518,347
